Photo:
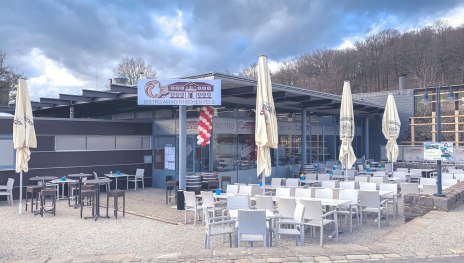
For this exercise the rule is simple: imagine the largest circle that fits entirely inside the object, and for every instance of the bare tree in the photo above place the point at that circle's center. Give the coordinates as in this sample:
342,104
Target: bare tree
8,80
250,71
134,69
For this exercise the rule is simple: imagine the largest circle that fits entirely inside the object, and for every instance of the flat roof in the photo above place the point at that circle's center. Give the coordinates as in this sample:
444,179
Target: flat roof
236,92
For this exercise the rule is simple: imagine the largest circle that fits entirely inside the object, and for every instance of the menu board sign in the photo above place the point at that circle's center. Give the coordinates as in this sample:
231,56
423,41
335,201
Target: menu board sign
438,151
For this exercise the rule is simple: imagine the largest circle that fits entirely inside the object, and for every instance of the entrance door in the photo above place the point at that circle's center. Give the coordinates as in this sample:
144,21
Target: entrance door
198,159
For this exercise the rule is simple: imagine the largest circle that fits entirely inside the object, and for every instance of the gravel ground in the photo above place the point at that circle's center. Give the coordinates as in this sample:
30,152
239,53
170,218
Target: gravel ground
27,235
446,232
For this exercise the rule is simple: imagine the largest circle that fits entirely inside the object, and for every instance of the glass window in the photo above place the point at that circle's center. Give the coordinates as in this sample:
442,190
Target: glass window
100,143
246,151
225,151
159,149
8,153
70,143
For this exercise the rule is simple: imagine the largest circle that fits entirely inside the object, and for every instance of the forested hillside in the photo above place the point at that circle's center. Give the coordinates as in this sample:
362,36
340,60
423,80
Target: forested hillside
431,56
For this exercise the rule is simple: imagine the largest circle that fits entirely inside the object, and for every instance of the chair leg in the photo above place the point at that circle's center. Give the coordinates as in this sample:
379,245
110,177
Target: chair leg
185,216
322,235
115,211
379,214
27,200
107,204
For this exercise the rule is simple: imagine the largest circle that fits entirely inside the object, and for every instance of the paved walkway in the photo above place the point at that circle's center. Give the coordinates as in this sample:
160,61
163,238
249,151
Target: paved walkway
381,251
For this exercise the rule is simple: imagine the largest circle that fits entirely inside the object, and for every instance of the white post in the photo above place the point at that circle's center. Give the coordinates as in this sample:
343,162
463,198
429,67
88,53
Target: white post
20,208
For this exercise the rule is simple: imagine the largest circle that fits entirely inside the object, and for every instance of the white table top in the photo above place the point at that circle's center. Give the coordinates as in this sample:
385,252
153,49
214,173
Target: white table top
116,175
326,201
269,214
56,181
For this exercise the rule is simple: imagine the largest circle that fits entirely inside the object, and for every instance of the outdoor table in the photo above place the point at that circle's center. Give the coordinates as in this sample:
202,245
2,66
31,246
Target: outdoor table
62,183
309,182
79,177
428,172
98,182
117,176
42,179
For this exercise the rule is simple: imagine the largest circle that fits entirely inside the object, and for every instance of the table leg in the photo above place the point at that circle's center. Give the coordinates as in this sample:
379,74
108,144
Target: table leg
116,179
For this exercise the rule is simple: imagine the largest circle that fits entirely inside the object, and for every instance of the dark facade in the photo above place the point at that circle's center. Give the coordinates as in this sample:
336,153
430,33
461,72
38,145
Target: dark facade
55,160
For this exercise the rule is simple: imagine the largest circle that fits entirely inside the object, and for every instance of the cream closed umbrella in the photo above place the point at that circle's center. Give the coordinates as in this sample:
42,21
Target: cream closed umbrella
391,125
23,134
347,129
265,120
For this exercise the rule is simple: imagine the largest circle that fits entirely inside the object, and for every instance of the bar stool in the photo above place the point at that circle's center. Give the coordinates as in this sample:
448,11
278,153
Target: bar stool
51,193
34,190
171,190
72,192
227,179
116,194
88,191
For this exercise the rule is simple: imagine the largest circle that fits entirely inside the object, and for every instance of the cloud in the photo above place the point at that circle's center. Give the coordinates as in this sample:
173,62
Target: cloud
79,42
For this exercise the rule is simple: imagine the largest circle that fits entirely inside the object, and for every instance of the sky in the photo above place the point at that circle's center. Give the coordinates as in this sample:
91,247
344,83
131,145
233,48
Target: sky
64,46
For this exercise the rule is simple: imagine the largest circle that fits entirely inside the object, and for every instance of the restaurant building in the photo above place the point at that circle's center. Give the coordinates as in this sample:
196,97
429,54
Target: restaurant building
106,131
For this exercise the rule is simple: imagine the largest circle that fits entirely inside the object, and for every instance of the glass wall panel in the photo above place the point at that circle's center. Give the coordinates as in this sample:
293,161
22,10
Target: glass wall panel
246,151
225,152
159,149
71,143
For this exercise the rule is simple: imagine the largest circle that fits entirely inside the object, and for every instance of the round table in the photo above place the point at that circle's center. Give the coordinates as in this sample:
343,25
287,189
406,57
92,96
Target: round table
79,177
98,182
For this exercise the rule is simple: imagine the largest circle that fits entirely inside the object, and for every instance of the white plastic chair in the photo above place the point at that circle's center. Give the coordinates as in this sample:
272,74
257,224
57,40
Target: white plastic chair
352,207
393,197
378,180
192,204
428,181
314,217
429,189
264,202
361,179
367,186
137,178
449,182
348,185
404,170
212,206
296,222
283,192
285,207
379,173
252,227
292,182
276,182
400,175
409,188
303,193
107,185
232,189
459,177
330,184
447,176
7,190
217,226
311,177
325,193
369,201
323,177
235,202
245,190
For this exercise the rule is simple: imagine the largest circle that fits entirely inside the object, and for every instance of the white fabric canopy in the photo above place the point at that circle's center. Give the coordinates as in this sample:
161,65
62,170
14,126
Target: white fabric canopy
266,121
391,125
347,128
23,133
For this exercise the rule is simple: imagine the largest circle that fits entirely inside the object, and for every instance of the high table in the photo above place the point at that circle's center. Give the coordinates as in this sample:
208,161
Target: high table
62,182
79,177
117,176
98,182
42,179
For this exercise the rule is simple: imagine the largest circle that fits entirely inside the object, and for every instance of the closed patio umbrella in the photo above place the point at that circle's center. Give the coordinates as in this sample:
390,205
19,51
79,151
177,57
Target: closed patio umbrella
391,125
266,121
347,129
23,134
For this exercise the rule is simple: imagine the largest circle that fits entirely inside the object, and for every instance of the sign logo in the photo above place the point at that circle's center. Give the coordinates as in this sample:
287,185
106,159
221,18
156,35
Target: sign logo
179,92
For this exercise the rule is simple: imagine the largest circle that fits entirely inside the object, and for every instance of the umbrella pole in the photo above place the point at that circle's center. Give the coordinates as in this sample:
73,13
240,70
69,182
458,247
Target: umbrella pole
346,168
263,182
20,208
